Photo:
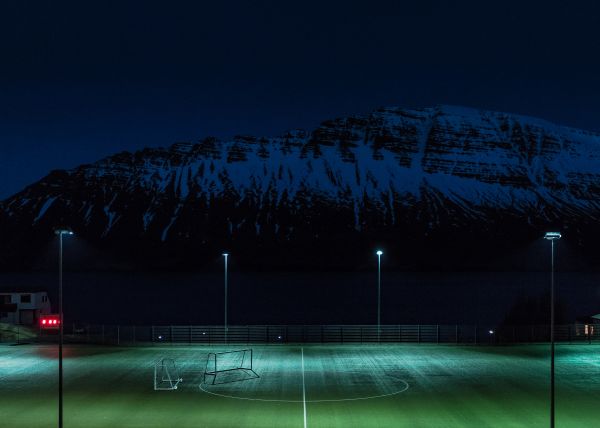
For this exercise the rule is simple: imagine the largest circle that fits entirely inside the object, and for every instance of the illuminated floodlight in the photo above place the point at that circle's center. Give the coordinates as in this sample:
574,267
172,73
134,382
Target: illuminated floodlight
491,331
551,236
225,254
63,231
379,252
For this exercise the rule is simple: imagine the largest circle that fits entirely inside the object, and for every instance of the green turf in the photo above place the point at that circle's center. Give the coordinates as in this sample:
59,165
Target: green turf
411,385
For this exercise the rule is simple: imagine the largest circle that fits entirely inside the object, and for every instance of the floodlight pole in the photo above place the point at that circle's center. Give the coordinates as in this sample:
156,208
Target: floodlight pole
379,253
60,233
60,329
226,255
552,236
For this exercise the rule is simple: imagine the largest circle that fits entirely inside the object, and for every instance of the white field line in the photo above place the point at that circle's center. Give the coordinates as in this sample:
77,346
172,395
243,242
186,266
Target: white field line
303,388
333,400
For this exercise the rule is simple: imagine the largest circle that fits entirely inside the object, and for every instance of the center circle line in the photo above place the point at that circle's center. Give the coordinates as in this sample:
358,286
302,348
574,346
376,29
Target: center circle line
333,400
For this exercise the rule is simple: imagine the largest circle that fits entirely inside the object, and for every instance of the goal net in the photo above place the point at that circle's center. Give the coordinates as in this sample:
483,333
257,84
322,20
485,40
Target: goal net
166,375
230,361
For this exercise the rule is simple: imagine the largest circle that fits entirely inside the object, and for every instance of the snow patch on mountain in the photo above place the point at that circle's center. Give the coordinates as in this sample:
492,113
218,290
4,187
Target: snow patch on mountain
47,204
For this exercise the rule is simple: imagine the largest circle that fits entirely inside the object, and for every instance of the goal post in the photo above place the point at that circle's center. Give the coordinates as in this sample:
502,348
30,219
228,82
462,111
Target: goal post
166,375
229,361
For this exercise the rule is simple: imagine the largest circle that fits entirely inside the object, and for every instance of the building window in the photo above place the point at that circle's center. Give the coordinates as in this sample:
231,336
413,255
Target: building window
25,298
44,299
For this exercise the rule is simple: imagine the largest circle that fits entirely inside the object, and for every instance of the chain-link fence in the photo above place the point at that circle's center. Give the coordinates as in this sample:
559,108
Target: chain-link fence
273,334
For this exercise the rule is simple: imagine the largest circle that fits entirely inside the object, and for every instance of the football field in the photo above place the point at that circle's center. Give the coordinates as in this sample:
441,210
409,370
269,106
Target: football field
304,386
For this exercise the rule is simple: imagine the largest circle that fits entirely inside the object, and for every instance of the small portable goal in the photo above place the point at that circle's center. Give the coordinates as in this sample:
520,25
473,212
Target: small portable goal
166,375
229,361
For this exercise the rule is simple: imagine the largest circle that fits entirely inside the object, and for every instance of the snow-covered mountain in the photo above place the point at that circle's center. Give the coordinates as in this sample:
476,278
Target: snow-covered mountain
436,184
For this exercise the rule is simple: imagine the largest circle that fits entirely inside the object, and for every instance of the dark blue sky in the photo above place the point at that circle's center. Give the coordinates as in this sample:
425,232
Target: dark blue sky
82,80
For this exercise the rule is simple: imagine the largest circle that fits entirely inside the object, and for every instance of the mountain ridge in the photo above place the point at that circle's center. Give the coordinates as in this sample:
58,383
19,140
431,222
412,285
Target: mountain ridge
429,174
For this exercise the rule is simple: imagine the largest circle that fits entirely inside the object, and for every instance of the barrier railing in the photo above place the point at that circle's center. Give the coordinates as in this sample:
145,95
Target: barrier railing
334,334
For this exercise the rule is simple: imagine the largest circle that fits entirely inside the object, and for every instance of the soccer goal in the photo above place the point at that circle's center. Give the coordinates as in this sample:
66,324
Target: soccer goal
230,361
166,375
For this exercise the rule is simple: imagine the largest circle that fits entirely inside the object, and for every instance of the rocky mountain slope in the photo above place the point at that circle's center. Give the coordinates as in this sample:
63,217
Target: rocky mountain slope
445,187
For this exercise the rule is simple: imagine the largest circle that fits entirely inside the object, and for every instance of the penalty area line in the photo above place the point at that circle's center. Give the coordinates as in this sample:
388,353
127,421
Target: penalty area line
303,387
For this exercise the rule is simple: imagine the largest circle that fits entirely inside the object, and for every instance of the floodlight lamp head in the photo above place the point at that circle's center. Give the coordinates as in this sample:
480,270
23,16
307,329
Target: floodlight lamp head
552,236
63,231
379,252
225,254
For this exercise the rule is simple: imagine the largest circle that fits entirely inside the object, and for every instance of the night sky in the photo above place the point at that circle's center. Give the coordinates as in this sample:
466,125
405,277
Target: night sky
82,80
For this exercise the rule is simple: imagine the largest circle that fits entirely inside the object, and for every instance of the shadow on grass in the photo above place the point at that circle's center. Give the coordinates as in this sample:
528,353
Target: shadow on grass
75,351
233,376
538,351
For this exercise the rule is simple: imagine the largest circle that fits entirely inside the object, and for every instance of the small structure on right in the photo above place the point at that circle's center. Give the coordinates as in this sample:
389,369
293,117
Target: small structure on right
588,326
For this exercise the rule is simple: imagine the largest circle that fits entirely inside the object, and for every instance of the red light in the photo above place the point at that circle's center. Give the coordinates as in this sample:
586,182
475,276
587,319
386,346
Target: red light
50,322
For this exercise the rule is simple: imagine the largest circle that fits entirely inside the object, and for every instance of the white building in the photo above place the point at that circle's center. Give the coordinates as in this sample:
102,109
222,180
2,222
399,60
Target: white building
23,306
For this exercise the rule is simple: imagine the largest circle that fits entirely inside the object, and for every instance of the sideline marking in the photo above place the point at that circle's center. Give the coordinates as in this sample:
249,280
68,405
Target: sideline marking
303,387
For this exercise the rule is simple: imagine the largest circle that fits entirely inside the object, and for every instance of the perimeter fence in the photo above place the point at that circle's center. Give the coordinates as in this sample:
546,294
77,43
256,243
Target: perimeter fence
457,334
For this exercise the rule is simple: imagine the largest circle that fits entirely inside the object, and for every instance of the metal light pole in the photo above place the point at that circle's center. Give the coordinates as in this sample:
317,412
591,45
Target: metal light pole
379,253
552,236
60,233
225,311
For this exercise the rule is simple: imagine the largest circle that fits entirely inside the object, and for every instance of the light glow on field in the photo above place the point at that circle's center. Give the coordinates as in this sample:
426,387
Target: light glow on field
111,386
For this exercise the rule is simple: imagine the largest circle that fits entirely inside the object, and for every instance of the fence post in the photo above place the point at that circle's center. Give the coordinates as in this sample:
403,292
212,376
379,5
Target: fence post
152,332
134,338
570,334
321,333
118,335
476,332
418,333
103,334
437,334
456,334
171,334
